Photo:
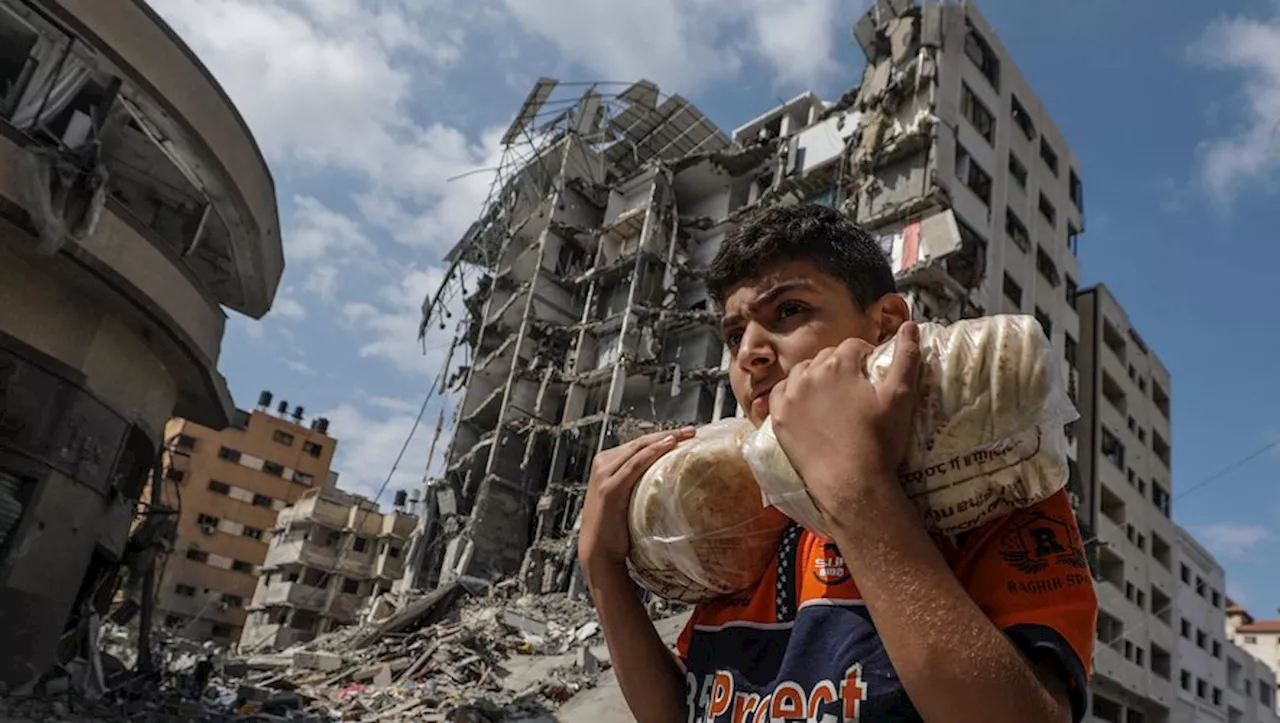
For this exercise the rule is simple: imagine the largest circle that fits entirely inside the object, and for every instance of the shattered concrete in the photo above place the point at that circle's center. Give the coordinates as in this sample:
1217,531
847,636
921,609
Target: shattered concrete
481,653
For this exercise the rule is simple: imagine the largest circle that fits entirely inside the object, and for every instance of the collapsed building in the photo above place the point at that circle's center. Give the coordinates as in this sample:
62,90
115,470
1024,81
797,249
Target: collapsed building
135,207
585,320
331,553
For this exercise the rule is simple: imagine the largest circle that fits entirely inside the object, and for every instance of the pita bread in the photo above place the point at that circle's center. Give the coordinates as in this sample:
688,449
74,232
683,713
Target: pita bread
987,437
699,527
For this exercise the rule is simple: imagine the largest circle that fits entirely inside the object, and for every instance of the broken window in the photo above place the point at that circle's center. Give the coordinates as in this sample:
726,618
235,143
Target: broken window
242,566
302,478
185,441
1072,291
1048,211
1076,190
262,501
1046,323
312,448
1069,351
197,555
219,488
208,523
1047,268
271,468
1049,156
1112,448
252,533
221,631
1073,239
982,55
232,601
184,590
360,544
18,42
1016,230
351,587
1012,291
1017,171
972,175
282,437
1022,118
229,454
977,114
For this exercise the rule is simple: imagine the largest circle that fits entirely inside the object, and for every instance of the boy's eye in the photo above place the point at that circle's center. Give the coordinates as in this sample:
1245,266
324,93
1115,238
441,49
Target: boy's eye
733,338
787,308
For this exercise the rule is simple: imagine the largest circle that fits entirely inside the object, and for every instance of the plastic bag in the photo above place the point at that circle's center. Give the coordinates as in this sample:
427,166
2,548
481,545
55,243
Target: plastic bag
986,439
699,528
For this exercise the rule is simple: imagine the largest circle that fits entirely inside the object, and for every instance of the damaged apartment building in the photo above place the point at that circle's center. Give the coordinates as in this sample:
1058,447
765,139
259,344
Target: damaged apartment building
331,552
134,208
586,321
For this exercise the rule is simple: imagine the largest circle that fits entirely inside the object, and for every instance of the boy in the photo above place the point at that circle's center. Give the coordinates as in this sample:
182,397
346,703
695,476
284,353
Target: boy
885,622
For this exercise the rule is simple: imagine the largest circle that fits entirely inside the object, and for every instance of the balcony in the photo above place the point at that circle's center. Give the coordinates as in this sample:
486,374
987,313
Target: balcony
172,89
121,158
290,593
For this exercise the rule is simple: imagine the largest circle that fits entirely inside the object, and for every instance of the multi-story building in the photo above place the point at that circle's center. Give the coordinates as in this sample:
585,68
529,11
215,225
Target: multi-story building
1124,487
1202,635
330,552
1261,640
228,486
588,323
1251,688
134,207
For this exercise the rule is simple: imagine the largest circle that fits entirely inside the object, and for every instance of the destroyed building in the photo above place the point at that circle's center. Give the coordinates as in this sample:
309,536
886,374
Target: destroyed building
331,553
135,207
227,487
585,320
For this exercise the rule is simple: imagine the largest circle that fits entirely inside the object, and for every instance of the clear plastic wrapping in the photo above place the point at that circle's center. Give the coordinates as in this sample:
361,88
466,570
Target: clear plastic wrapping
987,438
699,528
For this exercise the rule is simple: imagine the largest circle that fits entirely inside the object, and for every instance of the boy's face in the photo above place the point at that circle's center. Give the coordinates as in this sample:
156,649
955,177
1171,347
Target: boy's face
787,315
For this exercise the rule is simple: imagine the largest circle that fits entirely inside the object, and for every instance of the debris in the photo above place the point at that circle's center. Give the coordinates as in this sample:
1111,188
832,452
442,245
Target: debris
480,653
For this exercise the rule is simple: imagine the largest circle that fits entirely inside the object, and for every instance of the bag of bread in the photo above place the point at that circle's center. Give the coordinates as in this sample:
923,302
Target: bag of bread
699,528
987,438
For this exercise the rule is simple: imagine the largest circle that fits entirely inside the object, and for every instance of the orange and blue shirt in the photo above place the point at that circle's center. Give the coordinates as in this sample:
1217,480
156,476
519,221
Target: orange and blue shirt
801,646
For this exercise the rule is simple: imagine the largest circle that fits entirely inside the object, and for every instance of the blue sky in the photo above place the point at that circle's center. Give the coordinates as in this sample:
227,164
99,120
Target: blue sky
364,108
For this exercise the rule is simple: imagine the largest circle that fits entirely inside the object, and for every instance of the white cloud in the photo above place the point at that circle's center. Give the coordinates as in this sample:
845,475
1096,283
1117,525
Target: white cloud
368,445
689,44
1251,49
288,307
1232,540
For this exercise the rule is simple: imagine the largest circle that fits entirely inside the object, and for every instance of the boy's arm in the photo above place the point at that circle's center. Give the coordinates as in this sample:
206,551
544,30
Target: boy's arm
989,652
647,672
846,438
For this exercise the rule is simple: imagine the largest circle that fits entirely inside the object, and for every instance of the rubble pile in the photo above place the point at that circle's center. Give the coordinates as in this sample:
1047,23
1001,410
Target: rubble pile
480,654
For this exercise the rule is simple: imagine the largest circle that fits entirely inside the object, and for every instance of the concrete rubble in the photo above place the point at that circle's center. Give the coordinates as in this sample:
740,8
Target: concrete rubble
468,652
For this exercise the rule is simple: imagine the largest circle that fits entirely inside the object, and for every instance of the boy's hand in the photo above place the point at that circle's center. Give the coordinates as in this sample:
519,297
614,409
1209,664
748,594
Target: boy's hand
605,540
837,429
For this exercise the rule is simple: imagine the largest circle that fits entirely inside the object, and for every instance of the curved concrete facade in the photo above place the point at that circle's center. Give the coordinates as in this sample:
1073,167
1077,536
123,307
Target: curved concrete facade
134,207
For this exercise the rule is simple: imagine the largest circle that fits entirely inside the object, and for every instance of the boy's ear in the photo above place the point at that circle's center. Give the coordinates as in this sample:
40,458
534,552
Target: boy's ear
890,313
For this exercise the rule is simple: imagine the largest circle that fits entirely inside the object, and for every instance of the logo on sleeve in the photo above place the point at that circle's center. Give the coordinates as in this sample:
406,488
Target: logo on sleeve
829,569
1034,544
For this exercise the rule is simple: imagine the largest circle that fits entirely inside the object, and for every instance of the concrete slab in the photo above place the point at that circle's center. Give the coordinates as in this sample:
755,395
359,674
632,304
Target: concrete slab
604,702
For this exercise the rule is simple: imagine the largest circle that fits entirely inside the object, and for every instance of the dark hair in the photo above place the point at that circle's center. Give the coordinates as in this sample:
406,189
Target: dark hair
818,234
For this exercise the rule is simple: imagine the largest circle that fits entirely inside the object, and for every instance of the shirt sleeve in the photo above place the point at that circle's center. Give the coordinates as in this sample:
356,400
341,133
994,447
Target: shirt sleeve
1029,574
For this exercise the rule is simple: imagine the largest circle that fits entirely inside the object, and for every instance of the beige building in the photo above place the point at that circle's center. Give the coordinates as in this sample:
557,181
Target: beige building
229,486
135,208
1261,640
1124,488
330,552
